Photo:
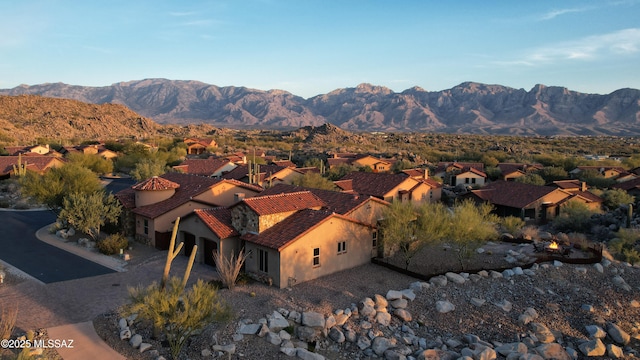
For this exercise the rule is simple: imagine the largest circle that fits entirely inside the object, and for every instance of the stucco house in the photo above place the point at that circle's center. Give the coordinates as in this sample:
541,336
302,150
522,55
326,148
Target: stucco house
454,173
153,204
390,187
266,175
606,171
197,146
290,234
212,167
361,160
532,203
512,171
37,163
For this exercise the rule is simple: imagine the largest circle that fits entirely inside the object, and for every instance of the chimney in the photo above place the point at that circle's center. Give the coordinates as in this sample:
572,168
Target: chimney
237,197
426,173
583,186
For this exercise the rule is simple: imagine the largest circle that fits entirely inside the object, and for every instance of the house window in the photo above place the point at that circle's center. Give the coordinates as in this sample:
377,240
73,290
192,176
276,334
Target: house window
342,247
466,180
374,239
473,180
146,226
316,257
263,260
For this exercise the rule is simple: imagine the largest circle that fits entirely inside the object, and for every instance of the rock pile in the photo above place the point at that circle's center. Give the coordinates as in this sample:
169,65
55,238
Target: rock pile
382,326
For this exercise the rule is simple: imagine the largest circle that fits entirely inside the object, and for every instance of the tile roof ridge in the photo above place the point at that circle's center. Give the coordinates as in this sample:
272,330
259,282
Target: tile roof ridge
280,195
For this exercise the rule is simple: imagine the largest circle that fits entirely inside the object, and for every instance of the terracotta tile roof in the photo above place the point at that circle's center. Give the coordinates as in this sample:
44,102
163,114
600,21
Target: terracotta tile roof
285,163
285,232
442,166
627,185
344,185
414,172
242,171
217,220
434,184
567,184
587,195
512,193
338,202
36,162
338,161
284,202
374,184
155,184
204,167
473,171
190,186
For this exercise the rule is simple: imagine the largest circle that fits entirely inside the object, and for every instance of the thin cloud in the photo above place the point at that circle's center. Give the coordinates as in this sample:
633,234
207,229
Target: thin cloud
620,43
555,13
183,13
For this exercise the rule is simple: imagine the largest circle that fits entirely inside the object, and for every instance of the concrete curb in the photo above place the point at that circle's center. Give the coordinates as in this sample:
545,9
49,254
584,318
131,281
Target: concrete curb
107,261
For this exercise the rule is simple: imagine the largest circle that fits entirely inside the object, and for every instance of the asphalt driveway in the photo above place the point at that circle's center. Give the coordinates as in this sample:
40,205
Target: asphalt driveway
20,248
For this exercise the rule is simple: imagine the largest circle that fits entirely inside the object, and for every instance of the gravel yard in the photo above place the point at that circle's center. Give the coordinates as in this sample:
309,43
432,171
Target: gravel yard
557,293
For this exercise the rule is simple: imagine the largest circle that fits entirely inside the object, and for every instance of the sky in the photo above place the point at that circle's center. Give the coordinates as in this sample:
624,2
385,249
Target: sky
311,47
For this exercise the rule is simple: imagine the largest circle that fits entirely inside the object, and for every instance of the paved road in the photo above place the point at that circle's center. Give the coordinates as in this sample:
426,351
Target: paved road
20,248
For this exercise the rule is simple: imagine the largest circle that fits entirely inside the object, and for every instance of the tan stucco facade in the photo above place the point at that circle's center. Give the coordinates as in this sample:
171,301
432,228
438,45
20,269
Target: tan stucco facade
294,264
205,239
164,222
224,194
375,164
468,178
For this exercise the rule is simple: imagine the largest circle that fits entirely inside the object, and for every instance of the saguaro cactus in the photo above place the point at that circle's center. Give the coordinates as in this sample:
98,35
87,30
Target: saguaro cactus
171,254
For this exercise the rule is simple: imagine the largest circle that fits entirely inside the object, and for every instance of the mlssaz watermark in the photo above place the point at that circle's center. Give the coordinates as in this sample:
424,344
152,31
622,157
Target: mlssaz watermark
41,343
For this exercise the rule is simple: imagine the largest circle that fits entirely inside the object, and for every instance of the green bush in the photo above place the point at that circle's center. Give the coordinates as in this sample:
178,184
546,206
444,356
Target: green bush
512,224
112,244
624,247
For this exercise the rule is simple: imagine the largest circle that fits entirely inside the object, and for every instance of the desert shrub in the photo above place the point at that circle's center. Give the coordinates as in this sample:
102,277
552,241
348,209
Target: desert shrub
177,312
112,244
624,246
574,217
4,204
613,198
511,224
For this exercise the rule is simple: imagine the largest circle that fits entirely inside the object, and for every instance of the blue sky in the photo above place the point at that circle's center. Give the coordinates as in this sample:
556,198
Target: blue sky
313,47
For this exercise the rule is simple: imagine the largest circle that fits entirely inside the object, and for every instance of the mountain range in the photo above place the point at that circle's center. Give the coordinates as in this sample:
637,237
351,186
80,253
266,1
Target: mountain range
470,108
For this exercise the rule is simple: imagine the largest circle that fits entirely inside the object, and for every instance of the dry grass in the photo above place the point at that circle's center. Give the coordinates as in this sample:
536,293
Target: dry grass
8,319
229,268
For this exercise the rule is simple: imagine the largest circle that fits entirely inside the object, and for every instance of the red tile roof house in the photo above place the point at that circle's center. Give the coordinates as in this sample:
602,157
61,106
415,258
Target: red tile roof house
632,187
196,146
512,171
532,203
153,204
212,167
36,163
291,235
390,187
454,173
268,175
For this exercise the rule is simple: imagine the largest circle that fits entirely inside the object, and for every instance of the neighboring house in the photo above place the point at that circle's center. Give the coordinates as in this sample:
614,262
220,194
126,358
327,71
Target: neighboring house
512,171
284,163
153,204
212,167
37,163
361,160
94,149
34,149
453,173
197,146
468,177
532,203
388,187
265,175
632,187
606,171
